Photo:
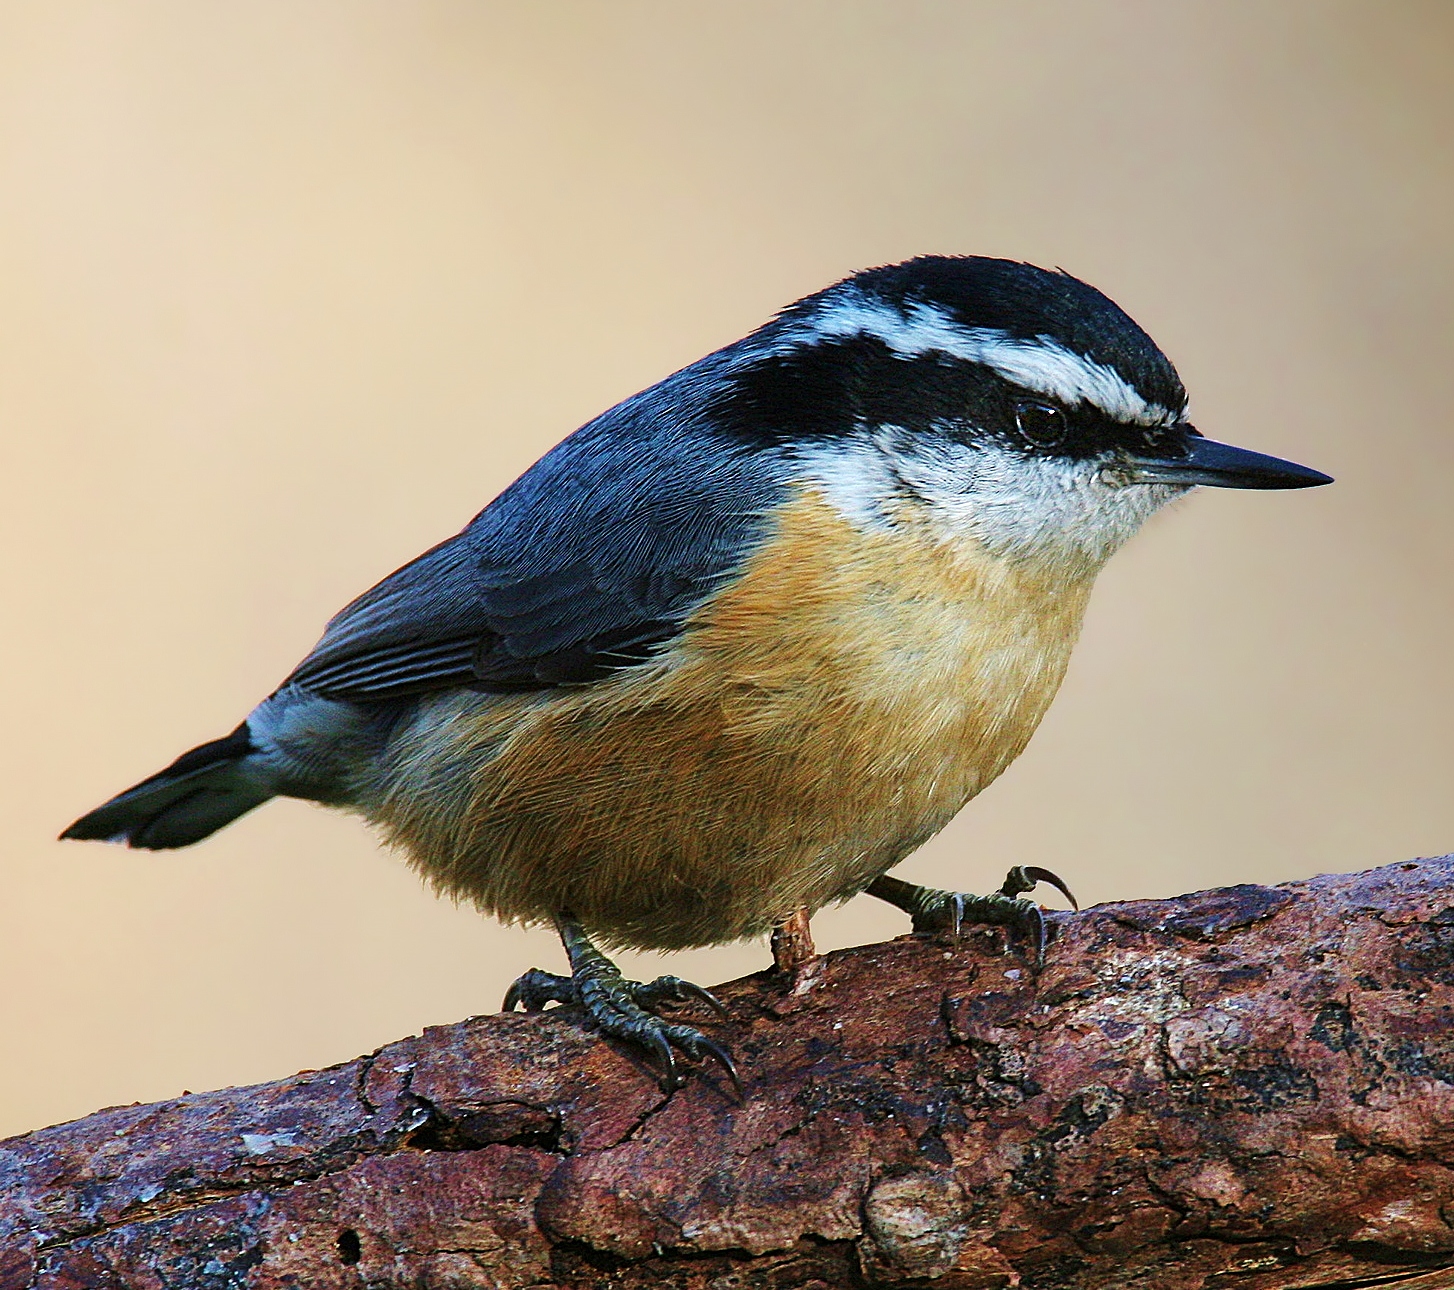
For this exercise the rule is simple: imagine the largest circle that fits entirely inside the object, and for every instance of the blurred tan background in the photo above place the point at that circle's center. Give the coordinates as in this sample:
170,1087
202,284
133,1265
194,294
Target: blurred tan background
289,290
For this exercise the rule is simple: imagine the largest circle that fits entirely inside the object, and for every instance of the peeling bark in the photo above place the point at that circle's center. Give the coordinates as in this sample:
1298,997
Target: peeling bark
1249,1088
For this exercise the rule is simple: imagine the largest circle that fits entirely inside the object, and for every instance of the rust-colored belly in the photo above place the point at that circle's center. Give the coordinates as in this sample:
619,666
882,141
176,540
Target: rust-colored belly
821,718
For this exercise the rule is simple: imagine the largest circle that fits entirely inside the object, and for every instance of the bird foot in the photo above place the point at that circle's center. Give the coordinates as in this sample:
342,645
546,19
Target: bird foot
626,1010
935,912
792,945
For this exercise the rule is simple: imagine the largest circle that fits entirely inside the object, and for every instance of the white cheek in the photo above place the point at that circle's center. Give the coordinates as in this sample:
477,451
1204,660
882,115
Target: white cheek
1016,507
1046,507
857,476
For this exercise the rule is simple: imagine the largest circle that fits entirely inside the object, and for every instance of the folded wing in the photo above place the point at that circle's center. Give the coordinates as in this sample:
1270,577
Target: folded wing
587,564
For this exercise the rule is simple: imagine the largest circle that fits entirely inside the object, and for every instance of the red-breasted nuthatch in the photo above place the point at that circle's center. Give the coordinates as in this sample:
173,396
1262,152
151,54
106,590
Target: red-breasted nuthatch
739,645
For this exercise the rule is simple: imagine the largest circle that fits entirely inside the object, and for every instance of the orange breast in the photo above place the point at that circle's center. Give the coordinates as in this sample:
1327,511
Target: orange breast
817,721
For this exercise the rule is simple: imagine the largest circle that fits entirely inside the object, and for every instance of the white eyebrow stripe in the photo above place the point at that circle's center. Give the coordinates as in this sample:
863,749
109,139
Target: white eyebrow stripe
1041,365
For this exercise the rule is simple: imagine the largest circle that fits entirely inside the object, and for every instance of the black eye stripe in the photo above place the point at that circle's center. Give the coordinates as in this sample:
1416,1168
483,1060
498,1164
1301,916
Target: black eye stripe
834,388
1041,426
1157,438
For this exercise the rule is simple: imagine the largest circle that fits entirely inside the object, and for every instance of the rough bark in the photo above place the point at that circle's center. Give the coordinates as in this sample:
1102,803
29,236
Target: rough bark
1247,1088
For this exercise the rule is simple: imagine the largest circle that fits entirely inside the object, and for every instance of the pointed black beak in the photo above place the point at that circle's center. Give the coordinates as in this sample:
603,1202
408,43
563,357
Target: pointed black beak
1219,465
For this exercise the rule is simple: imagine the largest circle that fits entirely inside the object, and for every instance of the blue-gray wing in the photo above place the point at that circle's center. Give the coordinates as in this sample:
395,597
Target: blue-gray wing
587,564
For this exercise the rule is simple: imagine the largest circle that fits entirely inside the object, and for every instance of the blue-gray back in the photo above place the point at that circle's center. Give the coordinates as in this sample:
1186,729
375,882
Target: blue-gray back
586,564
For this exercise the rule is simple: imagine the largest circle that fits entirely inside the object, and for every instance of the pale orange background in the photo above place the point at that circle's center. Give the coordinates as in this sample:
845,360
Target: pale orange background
289,289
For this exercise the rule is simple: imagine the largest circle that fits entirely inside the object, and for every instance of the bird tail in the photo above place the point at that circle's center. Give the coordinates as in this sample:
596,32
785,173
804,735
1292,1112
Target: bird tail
194,797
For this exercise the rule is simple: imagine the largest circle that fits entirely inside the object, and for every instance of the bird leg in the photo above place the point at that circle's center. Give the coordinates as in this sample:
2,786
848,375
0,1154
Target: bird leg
623,1009
792,944
935,911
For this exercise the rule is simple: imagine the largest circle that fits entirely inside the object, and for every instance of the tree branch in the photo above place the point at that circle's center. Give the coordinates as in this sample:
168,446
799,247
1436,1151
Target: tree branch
1249,1088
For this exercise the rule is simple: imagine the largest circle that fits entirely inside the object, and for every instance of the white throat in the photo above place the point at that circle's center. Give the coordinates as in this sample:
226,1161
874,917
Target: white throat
1040,510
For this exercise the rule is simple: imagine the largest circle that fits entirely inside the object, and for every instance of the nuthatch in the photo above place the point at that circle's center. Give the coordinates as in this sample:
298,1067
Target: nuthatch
739,645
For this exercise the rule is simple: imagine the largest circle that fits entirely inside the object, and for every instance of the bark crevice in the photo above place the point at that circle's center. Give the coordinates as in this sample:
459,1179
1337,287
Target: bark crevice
1250,1088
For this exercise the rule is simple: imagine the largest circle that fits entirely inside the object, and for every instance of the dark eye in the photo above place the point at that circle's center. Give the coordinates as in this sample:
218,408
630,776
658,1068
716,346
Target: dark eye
1041,424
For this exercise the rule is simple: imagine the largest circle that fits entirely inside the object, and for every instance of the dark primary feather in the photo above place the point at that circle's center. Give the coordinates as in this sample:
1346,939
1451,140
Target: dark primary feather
588,562
197,794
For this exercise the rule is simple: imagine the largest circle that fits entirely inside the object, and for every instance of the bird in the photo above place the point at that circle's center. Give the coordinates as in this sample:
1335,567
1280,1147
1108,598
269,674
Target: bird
735,648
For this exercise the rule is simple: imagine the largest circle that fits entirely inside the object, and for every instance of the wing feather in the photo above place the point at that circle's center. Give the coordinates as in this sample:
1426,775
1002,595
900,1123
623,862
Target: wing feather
587,564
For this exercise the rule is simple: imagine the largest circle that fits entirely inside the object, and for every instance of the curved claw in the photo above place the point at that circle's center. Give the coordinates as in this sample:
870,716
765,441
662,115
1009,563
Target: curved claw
667,1058
1023,878
941,913
958,907
674,988
714,1049
625,1010
705,996
1036,921
534,989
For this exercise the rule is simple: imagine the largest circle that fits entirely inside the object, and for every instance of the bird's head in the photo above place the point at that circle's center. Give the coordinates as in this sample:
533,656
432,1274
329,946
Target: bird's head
995,399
